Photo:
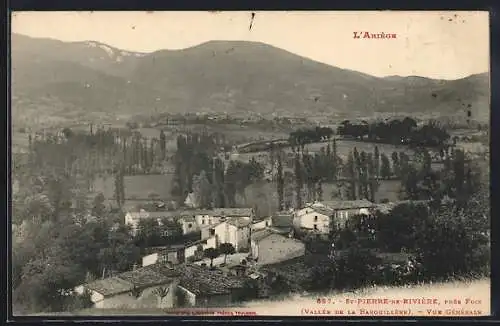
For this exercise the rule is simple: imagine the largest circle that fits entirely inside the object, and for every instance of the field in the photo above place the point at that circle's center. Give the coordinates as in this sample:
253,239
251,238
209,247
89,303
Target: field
294,305
137,187
344,147
234,133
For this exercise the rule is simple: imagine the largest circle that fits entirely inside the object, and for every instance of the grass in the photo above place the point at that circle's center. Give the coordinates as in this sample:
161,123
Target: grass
137,187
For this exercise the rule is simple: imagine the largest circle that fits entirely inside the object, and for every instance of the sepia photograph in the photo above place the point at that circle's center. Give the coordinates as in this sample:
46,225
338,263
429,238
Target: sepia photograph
239,163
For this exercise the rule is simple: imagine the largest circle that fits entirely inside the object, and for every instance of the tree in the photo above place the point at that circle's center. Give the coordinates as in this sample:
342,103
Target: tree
335,159
298,180
456,241
119,187
219,198
280,182
402,226
98,207
373,182
211,253
226,249
162,145
202,190
376,162
148,233
395,164
385,168
351,175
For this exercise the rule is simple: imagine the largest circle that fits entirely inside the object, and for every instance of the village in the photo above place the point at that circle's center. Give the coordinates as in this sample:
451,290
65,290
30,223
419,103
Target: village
236,256
230,174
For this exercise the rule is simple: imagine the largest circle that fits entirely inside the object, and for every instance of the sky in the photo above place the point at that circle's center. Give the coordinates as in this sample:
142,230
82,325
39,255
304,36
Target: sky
441,45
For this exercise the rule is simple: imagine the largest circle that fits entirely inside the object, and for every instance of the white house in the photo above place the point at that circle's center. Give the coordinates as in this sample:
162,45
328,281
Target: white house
235,230
172,254
344,209
324,216
188,224
206,218
262,223
315,219
133,218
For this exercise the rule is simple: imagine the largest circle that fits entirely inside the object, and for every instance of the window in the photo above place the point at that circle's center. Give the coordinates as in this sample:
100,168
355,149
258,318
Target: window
315,218
315,226
267,223
212,231
190,225
162,259
202,221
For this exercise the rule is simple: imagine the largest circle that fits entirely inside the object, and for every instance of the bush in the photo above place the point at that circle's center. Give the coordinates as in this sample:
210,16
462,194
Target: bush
78,301
356,269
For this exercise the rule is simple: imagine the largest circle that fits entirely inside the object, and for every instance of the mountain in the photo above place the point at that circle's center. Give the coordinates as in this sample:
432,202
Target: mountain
222,76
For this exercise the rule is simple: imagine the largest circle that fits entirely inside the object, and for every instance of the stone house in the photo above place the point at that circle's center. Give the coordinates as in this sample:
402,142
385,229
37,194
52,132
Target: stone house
202,287
147,287
235,231
268,247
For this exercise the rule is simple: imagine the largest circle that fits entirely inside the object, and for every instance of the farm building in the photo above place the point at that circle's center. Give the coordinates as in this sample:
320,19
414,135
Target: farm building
314,218
282,221
171,254
268,247
320,216
146,287
262,223
235,230
201,286
196,217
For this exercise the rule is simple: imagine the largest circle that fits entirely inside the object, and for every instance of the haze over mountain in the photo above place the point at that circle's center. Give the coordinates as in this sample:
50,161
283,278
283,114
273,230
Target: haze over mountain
220,76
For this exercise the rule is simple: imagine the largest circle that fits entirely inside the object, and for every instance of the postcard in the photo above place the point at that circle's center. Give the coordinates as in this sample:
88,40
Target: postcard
267,163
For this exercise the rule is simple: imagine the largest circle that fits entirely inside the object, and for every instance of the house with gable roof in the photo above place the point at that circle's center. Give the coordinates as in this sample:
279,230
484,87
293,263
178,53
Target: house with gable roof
270,247
147,287
322,217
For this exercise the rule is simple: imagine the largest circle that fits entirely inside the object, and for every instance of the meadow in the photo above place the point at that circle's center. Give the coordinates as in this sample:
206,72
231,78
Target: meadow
137,187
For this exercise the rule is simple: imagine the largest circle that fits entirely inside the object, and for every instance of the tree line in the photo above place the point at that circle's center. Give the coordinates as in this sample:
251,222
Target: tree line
405,131
200,170
360,175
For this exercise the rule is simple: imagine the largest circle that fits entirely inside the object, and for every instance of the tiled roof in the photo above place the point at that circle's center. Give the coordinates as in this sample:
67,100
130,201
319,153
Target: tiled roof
348,204
280,229
188,219
282,220
221,212
165,249
231,212
204,281
261,234
324,210
149,276
239,222
260,219
110,286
